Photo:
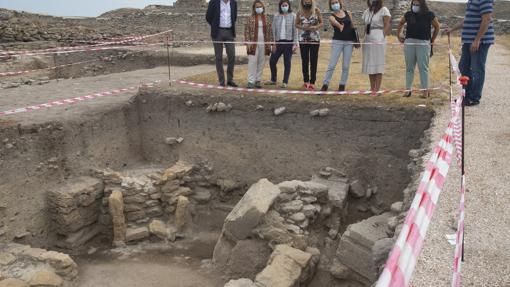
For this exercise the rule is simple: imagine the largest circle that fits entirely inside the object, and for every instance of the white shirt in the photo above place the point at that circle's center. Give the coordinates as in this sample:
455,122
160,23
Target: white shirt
225,18
260,33
282,29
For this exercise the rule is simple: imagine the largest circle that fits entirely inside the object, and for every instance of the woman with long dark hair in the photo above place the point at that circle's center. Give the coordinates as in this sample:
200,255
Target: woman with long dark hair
309,22
418,40
257,32
286,41
343,42
377,19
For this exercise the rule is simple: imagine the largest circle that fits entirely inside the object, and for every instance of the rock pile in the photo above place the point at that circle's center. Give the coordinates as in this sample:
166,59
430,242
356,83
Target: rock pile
272,224
21,265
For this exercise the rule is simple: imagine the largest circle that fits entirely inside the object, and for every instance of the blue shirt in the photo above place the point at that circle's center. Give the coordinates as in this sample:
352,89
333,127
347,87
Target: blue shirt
473,19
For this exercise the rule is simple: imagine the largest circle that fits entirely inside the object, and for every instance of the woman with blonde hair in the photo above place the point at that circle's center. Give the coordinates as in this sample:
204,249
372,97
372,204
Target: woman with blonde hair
309,22
257,34
377,19
344,39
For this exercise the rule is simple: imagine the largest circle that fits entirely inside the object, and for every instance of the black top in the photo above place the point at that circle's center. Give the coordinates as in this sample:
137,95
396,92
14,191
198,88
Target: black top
213,16
419,25
347,34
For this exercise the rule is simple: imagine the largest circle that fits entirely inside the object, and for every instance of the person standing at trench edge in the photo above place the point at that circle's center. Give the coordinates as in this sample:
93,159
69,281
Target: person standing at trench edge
222,16
377,19
257,34
286,42
477,37
418,42
309,22
344,40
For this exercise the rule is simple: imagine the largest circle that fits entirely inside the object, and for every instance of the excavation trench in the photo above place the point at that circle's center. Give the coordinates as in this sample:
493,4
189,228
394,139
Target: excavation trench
185,174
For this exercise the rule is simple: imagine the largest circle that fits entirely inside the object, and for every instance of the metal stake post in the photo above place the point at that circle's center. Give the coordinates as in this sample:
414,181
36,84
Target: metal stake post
450,68
464,80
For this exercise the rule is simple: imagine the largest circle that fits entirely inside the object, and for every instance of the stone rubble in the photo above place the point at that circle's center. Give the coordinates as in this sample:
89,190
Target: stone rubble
27,266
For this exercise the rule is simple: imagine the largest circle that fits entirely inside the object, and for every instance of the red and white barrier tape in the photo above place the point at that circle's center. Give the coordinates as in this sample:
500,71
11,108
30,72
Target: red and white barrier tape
297,92
456,106
15,73
293,43
403,258
60,50
459,238
74,100
91,49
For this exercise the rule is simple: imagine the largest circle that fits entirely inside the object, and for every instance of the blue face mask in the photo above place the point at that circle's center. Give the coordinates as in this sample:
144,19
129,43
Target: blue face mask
259,10
336,7
285,9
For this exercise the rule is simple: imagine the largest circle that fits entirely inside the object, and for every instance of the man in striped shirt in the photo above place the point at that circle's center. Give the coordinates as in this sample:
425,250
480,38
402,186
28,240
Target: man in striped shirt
477,37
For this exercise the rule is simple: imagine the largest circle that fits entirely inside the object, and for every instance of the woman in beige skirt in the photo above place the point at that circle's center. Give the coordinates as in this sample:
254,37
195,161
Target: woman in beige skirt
377,19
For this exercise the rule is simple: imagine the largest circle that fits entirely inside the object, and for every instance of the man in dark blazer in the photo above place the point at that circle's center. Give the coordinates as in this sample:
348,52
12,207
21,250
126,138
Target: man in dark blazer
221,16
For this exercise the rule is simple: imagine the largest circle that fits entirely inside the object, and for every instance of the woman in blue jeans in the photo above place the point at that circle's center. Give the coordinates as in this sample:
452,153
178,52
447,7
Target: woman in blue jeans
343,43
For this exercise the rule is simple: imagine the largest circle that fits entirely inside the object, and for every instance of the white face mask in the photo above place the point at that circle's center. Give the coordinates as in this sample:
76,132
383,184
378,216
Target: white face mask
336,7
415,8
259,10
285,8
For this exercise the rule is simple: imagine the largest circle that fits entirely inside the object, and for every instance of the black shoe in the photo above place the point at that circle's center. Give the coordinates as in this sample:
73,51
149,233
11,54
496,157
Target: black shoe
324,88
232,84
407,95
470,103
341,88
258,85
222,84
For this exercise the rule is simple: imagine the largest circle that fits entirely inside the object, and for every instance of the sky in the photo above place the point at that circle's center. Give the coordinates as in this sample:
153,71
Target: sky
76,7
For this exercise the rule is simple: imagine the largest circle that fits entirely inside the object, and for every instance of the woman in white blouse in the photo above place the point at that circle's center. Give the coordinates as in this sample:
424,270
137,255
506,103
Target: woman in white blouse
377,19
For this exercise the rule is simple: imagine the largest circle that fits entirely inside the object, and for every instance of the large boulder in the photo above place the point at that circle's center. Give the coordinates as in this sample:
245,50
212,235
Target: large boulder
249,211
244,218
284,268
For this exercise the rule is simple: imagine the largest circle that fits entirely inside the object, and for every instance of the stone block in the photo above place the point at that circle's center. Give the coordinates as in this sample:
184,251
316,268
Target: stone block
357,189
243,282
76,219
292,206
46,278
181,212
136,215
338,190
138,233
159,229
116,207
81,191
6,258
249,211
12,282
155,211
284,268
355,247
178,170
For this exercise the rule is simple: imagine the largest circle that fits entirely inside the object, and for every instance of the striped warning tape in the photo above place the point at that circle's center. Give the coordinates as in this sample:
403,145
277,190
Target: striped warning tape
299,92
59,50
74,100
459,238
403,258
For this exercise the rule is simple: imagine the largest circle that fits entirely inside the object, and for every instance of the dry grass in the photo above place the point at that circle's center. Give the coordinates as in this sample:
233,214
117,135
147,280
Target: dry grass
394,78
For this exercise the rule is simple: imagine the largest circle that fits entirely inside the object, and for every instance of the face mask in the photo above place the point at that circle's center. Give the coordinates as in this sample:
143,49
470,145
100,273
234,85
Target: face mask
259,10
336,7
307,6
415,8
285,9
374,2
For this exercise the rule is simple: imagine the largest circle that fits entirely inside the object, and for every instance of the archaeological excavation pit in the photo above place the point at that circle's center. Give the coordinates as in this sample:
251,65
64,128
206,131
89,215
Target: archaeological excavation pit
193,188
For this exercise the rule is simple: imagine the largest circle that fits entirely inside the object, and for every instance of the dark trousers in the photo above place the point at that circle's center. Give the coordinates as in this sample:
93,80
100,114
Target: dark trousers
309,58
285,49
227,36
473,66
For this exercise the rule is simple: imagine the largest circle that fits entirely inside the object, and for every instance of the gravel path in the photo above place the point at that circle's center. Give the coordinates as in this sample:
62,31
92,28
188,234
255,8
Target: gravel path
487,237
